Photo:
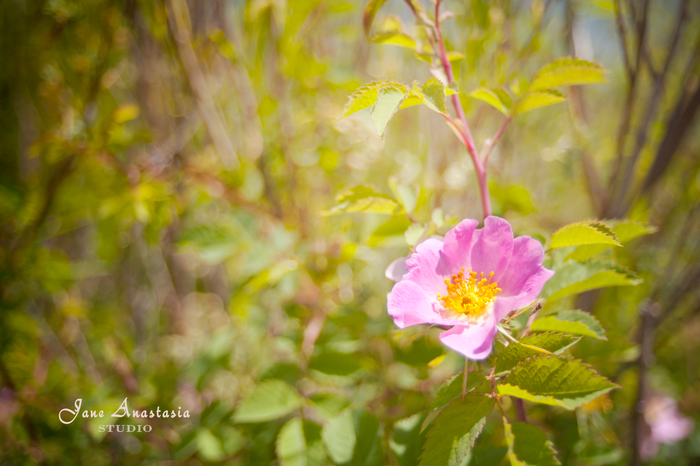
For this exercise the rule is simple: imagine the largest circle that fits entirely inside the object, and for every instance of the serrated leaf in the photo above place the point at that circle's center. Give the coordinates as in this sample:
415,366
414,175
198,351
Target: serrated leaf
364,199
625,231
389,99
299,444
528,445
394,38
537,99
455,430
496,98
371,9
554,381
433,92
568,72
574,234
366,96
575,277
449,442
407,441
453,388
572,322
515,353
271,399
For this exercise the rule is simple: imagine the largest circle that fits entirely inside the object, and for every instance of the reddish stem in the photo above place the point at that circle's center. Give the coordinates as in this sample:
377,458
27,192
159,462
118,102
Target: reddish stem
467,138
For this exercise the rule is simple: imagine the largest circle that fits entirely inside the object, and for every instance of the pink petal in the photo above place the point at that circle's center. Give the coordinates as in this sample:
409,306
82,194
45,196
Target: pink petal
408,305
503,306
397,269
525,275
475,342
427,269
457,248
493,247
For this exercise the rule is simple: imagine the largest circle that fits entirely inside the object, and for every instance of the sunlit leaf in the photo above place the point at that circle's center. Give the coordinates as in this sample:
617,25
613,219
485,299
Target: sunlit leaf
572,322
537,99
497,98
554,381
389,100
364,199
371,9
574,277
366,96
394,38
574,234
568,72
528,445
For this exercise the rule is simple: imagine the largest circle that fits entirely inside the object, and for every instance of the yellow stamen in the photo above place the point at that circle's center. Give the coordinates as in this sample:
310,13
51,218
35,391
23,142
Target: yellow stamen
470,295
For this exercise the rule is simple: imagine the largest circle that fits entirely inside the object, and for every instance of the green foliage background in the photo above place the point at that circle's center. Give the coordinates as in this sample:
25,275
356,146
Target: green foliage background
167,172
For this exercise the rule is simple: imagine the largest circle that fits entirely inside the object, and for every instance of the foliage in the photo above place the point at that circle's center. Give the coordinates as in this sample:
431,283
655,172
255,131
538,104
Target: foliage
198,201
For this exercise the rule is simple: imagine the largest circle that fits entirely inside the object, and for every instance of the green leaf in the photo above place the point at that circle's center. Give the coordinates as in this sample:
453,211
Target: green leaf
572,322
625,231
433,93
209,446
515,353
414,233
575,277
487,456
394,38
455,430
371,9
497,98
366,96
528,445
354,438
334,363
590,232
407,441
395,226
537,99
554,381
271,399
339,437
364,199
299,444
389,99
568,72
453,388
514,198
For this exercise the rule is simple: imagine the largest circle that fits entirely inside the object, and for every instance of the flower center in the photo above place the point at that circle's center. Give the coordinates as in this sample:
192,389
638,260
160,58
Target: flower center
470,295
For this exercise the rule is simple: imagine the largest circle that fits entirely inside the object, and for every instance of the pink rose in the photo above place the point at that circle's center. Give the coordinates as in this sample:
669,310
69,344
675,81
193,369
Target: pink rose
469,281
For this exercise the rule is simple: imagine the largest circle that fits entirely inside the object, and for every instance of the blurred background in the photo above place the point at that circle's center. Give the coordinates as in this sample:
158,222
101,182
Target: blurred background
165,169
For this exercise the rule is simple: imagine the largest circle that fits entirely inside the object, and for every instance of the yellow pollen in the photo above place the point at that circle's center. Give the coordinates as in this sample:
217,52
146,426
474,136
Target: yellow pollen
470,294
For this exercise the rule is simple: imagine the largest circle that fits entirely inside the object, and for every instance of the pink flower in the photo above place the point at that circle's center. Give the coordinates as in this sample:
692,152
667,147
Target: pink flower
469,281
667,425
